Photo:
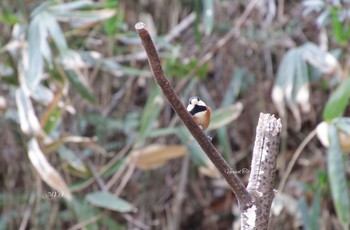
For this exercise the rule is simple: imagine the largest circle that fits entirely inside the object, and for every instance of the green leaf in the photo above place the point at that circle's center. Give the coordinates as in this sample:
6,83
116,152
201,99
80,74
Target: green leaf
224,116
337,102
41,8
89,179
42,94
84,18
109,201
109,223
197,22
72,159
238,78
150,113
337,178
53,120
208,14
111,24
347,32
301,73
162,132
56,33
83,91
343,123
310,220
37,43
118,70
305,217
316,210
7,16
225,143
69,6
84,211
196,152
112,169
4,221
27,118
338,31
177,68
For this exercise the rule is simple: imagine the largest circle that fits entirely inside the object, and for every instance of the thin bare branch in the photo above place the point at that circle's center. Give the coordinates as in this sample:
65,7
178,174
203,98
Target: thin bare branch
243,197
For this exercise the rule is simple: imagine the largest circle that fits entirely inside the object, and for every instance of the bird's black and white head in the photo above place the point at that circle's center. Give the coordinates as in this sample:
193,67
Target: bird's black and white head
196,106
199,111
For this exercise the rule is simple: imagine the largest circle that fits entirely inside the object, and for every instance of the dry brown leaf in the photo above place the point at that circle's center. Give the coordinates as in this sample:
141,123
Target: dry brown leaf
155,156
344,141
322,134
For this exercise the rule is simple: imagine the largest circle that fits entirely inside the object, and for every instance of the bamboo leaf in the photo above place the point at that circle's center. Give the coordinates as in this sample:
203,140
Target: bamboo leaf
305,217
208,14
337,102
28,120
37,43
78,85
337,178
150,114
196,153
224,116
72,159
70,6
109,201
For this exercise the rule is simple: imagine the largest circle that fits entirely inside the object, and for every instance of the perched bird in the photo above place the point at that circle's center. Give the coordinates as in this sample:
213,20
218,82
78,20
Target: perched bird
199,111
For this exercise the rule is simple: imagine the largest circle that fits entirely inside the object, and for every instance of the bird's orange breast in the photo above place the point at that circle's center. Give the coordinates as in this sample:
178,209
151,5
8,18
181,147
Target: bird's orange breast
203,118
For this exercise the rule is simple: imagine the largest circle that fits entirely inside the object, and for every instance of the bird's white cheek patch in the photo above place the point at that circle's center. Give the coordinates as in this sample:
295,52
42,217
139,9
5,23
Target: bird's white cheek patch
190,107
201,103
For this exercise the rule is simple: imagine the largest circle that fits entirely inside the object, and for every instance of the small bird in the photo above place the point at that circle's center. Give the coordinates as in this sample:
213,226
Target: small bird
199,111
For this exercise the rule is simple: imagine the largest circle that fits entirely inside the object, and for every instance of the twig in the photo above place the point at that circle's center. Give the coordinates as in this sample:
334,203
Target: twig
117,157
27,212
243,197
96,175
180,194
280,9
86,222
126,178
135,222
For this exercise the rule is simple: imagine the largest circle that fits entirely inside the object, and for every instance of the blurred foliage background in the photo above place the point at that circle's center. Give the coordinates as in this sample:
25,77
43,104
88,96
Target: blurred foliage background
88,141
